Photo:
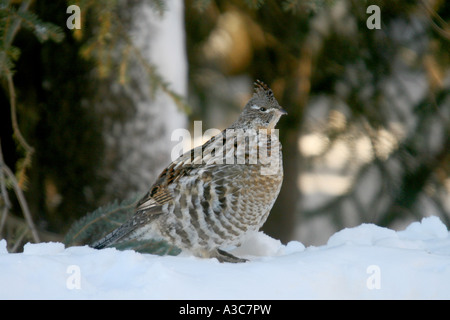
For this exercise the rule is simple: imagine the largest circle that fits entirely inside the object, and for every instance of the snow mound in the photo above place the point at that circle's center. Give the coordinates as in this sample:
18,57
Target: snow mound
365,262
43,248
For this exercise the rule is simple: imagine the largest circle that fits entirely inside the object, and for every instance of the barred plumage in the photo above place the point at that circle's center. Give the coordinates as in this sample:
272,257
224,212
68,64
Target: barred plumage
211,196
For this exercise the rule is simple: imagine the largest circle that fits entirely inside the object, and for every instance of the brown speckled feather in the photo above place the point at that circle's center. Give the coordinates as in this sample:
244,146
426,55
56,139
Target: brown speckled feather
213,195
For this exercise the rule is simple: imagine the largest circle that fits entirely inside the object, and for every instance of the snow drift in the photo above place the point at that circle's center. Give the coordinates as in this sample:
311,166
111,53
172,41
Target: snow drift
365,262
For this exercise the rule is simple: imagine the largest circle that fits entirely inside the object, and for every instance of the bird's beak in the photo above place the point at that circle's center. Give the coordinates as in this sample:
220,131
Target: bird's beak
282,112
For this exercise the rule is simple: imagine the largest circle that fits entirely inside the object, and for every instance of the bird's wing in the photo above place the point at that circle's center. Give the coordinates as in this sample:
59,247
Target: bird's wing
160,192
206,162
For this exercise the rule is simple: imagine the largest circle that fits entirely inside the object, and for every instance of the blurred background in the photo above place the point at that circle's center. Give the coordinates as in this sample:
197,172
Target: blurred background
87,114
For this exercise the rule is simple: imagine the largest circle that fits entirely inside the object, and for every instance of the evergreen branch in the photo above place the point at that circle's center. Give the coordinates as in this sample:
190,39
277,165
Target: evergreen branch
42,30
10,23
9,53
157,81
15,26
104,219
102,49
4,194
7,56
22,202
12,101
159,247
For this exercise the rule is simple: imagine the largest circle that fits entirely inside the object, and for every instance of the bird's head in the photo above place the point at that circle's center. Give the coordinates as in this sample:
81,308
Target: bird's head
262,111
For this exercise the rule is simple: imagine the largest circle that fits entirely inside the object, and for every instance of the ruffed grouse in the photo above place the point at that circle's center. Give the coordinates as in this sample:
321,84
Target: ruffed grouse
212,195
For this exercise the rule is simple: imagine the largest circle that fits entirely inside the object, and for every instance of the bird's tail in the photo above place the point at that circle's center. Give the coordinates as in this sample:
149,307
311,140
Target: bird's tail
129,230
113,237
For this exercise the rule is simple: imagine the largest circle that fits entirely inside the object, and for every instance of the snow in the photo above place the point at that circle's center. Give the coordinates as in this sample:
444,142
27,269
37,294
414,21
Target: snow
365,262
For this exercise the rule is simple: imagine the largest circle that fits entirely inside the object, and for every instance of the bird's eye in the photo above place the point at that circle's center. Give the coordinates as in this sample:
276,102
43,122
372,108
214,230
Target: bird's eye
256,107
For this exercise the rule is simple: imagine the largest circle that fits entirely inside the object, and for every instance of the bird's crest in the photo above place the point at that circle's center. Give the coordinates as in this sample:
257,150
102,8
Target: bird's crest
263,91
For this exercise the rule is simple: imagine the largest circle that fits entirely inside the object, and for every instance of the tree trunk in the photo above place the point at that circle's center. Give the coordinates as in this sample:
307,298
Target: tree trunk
138,122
